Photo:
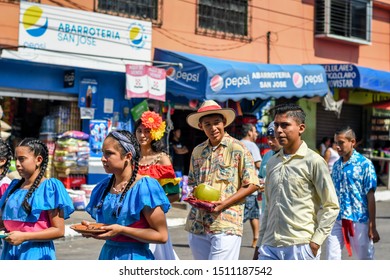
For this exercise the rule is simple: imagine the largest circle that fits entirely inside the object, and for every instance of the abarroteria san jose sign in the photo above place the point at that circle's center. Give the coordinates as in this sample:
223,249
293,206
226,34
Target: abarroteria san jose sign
67,30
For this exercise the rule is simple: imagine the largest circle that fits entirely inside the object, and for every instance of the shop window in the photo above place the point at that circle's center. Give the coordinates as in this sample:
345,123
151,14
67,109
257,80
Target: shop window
138,9
346,20
224,18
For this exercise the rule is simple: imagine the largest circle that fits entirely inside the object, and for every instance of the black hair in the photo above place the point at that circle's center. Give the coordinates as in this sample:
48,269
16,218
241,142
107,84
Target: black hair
135,161
291,110
5,153
347,131
326,138
246,127
157,145
39,149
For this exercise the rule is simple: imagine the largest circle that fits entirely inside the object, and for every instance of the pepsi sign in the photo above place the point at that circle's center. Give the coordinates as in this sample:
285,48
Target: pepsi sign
210,78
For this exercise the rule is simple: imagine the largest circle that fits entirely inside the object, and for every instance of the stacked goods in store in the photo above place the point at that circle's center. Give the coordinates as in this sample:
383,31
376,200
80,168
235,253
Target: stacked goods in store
71,157
61,119
78,198
74,118
62,116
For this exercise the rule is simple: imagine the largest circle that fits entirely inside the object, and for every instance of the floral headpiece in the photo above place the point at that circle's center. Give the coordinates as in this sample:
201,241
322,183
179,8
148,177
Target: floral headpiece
154,122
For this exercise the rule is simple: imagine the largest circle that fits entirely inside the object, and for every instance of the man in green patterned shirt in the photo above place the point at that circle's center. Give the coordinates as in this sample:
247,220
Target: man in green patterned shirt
224,163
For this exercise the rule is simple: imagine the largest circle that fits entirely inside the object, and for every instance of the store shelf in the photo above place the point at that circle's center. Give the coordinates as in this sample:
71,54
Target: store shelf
380,129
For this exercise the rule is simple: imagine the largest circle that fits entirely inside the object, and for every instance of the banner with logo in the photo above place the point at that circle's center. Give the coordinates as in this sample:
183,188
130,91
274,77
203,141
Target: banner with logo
202,77
137,81
137,110
53,28
143,81
88,93
157,83
98,130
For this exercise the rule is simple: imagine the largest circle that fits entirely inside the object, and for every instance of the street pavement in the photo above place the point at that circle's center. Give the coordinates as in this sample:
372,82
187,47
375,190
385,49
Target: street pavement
75,247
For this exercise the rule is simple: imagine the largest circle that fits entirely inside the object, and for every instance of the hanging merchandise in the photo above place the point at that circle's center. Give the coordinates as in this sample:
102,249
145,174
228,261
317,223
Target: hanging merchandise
331,105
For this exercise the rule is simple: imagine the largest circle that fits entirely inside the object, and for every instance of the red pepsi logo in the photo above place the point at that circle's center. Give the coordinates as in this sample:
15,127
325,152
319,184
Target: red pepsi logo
216,83
297,80
170,72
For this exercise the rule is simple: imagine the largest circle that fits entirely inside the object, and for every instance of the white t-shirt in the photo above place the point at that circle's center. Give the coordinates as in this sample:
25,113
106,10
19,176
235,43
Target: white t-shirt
334,156
255,151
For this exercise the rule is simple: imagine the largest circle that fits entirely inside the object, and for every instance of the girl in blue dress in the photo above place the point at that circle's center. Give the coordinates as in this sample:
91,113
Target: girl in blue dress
5,162
33,208
132,206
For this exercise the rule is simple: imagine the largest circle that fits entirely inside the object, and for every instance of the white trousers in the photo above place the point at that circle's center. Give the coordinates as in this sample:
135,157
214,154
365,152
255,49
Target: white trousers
214,246
362,246
164,251
293,252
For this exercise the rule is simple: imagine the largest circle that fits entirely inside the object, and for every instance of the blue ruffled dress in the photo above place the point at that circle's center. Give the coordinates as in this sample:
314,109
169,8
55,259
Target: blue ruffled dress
146,192
50,194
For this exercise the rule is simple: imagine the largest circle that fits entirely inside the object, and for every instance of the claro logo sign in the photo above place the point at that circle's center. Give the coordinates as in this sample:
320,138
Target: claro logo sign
34,21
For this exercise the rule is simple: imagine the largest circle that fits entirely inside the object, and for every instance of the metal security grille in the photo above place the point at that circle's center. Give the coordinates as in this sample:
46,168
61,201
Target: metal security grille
327,121
139,9
224,17
348,20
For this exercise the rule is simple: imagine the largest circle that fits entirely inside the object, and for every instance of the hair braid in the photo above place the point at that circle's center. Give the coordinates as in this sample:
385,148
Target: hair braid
135,161
40,149
6,153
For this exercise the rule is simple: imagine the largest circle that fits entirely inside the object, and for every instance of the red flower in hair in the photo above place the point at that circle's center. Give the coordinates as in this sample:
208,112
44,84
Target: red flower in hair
151,120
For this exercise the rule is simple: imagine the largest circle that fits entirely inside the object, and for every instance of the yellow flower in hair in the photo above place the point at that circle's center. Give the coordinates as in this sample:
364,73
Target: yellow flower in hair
157,134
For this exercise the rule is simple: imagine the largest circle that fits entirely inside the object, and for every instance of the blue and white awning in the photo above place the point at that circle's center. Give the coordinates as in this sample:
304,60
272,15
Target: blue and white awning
352,76
203,77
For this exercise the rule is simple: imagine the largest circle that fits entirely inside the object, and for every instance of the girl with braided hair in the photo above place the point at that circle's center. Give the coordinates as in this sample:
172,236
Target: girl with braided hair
5,162
133,207
33,209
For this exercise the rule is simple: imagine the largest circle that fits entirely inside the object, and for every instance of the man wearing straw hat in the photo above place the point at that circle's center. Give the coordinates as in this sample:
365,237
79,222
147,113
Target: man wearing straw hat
226,165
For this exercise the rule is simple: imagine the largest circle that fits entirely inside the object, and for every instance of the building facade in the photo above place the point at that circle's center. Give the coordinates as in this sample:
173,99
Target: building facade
91,41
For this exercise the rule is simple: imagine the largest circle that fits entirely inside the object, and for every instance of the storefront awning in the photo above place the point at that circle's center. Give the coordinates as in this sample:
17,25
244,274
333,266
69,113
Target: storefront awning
352,76
204,77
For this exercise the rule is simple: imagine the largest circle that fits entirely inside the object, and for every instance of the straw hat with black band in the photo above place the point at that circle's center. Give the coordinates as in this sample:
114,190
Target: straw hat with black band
209,107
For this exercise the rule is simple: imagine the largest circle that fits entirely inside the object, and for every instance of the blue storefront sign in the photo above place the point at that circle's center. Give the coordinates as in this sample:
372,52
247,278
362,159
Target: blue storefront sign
353,76
204,77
